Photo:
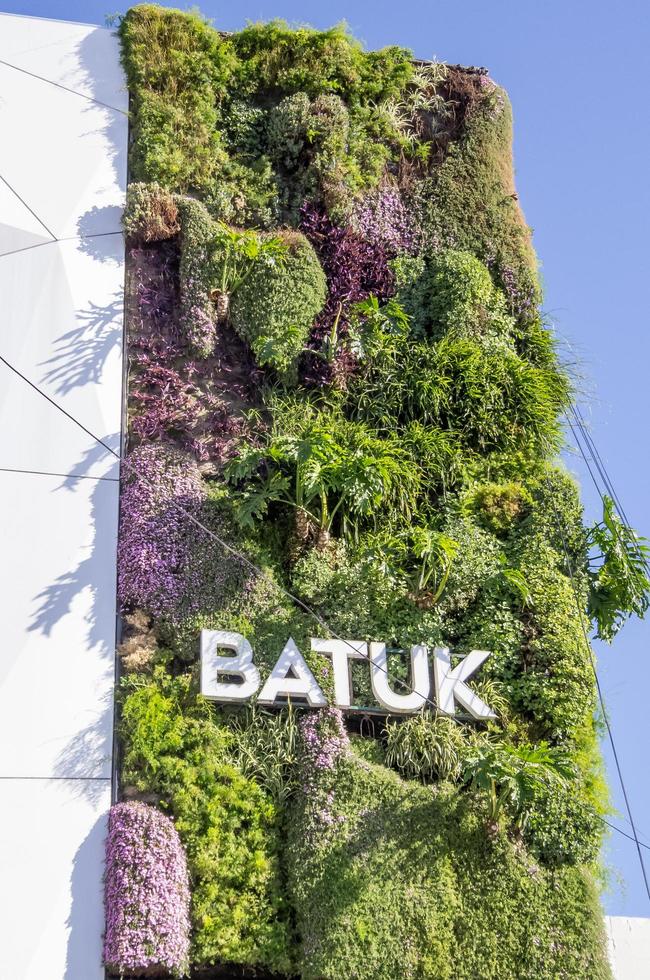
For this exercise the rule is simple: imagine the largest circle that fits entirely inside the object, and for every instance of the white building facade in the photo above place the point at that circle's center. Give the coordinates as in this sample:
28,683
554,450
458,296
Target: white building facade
63,119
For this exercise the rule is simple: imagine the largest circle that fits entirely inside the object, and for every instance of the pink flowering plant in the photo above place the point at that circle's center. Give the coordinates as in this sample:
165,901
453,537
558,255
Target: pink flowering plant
146,894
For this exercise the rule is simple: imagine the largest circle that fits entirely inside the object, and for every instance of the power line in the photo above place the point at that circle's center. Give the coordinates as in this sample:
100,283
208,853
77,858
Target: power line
58,407
601,699
31,210
48,81
124,461
623,834
251,565
63,476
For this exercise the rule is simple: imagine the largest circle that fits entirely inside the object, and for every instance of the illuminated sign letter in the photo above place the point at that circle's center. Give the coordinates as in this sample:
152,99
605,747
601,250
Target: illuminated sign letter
292,677
451,686
420,680
238,664
341,652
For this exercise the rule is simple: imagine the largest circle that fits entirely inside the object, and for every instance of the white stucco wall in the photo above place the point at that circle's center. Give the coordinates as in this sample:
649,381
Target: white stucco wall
63,144
628,940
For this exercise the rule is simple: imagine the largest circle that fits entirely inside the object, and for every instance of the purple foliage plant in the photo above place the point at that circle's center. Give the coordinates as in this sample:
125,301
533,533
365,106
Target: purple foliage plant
355,268
146,894
324,742
161,486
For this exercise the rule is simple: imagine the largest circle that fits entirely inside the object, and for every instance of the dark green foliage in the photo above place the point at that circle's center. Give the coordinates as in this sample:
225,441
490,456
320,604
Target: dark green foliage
275,307
452,294
196,311
486,396
308,145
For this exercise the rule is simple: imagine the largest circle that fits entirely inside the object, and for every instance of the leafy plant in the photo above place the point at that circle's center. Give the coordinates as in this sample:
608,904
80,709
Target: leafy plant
619,586
275,306
266,748
237,254
333,470
426,748
508,777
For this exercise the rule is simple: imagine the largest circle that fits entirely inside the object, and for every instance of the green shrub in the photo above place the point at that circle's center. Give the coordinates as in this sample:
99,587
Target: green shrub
197,314
500,505
150,214
275,308
176,748
469,203
401,880
451,293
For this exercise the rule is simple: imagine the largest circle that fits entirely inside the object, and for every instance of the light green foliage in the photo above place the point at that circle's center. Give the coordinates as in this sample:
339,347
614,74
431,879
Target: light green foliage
177,749
499,506
468,202
174,64
427,748
452,294
400,880
275,307
619,586
274,57
242,265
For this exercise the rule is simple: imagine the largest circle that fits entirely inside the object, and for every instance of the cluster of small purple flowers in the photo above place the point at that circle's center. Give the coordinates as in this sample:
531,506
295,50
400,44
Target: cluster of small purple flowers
382,219
161,486
521,300
146,894
324,737
325,813
200,331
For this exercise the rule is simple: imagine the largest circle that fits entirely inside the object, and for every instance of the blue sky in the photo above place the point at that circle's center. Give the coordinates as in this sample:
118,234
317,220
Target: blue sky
577,74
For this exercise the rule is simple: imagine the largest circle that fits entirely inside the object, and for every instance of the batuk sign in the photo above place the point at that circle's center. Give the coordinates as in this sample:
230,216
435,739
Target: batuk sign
229,675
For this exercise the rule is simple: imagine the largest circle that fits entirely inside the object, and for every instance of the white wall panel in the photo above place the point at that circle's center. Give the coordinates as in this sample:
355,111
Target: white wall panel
629,946
61,325
77,56
62,184
51,847
57,581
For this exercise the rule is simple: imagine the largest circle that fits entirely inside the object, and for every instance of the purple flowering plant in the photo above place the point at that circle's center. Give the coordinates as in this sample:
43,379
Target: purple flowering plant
161,486
381,218
146,894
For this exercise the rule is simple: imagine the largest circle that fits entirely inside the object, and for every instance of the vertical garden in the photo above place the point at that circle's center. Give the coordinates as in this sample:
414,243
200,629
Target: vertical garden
344,414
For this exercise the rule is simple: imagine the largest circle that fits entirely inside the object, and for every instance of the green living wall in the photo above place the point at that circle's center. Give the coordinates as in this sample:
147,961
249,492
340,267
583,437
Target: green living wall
338,369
